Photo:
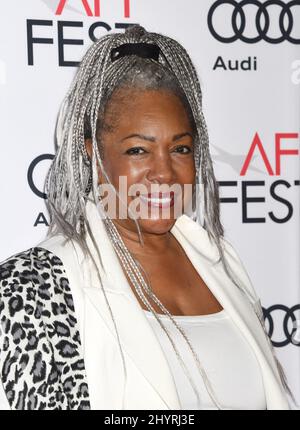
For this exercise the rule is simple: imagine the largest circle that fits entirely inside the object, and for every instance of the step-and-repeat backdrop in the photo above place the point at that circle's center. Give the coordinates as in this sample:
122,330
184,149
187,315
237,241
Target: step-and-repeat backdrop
247,54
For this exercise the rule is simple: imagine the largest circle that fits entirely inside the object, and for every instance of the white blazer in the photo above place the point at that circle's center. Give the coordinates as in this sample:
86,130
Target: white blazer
149,383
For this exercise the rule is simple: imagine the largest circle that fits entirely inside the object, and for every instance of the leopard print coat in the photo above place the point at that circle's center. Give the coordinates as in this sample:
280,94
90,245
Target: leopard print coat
41,359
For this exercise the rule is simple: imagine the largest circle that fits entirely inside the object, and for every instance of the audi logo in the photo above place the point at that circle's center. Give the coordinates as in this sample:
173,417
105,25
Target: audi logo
261,25
289,324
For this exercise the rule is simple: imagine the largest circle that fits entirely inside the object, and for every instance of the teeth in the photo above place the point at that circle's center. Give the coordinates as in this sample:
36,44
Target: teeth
156,200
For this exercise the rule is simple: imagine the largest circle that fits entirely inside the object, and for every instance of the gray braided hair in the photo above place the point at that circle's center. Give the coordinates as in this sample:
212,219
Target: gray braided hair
82,113
72,175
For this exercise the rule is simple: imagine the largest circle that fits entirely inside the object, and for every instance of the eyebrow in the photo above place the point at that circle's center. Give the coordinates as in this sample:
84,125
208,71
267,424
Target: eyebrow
152,139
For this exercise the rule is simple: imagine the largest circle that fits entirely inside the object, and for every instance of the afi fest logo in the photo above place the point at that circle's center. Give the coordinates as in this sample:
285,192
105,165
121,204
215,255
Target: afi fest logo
251,194
57,34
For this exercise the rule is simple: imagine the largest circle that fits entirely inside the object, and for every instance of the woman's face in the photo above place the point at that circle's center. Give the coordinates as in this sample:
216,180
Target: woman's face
148,139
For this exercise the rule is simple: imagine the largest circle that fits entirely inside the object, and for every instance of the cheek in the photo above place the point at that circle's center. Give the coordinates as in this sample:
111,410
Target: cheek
186,179
186,174
118,166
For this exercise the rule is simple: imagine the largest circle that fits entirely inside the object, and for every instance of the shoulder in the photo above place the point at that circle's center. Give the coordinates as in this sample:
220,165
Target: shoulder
34,284
238,266
34,260
47,260
35,265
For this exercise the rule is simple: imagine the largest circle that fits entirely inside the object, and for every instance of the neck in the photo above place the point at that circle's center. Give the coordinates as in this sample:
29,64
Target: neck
154,244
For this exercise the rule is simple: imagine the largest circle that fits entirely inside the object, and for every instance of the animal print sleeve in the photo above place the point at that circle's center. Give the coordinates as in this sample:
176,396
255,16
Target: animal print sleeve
41,362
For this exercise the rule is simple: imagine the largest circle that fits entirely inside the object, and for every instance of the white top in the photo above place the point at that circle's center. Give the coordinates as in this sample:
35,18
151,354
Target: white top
227,359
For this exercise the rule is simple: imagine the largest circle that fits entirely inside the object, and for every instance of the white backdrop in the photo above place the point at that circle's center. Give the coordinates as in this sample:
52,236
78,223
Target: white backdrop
247,54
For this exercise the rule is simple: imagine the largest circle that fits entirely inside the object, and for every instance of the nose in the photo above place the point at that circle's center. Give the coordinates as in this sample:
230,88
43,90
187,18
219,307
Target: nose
161,169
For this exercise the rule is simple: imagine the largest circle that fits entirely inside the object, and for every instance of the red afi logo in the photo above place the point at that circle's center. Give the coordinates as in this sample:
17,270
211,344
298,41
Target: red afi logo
96,7
257,143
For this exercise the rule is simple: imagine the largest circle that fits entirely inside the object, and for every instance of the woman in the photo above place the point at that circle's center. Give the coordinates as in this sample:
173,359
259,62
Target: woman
137,311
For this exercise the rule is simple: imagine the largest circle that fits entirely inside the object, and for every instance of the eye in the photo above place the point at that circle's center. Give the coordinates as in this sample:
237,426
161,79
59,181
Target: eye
183,149
135,151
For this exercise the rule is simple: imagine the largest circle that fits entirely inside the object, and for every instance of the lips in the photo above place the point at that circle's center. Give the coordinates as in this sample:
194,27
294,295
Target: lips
160,199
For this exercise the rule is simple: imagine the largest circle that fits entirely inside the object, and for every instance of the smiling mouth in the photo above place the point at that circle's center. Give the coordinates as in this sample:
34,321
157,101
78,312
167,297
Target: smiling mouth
159,200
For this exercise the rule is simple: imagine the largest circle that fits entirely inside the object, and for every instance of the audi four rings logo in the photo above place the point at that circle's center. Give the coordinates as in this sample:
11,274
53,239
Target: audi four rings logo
261,22
290,324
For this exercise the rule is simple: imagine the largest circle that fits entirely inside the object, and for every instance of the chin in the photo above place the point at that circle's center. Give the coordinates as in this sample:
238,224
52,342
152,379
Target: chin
156,226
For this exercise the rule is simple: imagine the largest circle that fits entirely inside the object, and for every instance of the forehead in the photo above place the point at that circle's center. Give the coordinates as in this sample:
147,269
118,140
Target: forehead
142,107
